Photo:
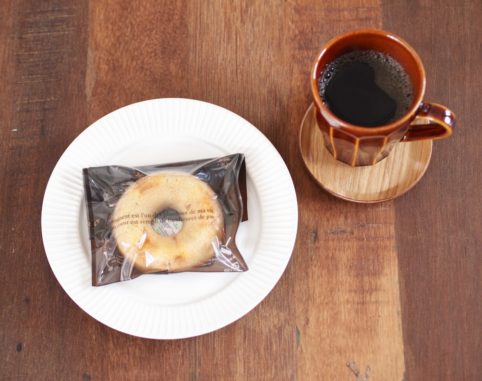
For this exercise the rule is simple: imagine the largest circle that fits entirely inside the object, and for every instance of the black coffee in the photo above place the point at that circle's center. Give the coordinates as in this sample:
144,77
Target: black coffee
366,88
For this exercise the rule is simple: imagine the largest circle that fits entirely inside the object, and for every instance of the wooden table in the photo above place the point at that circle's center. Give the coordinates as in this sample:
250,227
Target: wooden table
393,289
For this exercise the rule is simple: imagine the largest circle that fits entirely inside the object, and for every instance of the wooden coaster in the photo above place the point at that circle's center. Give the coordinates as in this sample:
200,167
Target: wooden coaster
389,178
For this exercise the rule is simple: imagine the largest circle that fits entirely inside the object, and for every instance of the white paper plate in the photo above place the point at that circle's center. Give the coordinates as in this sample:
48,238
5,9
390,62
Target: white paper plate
175,305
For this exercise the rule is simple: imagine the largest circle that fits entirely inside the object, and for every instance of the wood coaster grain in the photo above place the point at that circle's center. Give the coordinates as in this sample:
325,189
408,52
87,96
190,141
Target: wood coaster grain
388,179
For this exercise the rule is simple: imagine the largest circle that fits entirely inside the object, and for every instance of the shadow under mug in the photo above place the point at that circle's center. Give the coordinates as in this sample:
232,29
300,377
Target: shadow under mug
357,145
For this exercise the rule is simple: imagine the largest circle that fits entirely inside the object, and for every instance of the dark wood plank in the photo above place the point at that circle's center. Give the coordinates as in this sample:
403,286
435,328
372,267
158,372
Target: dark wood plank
439,223
347,296
137,51
43,107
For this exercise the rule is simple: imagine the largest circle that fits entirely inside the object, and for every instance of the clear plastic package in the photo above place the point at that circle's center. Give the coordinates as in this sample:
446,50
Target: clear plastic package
165,218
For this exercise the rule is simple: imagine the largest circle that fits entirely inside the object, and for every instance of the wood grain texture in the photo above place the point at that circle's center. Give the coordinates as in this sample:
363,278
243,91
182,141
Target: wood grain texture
44,106
335,314
347,298
439,223
390,178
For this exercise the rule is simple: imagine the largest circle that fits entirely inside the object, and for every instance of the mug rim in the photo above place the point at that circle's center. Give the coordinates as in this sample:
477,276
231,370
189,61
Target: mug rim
341,123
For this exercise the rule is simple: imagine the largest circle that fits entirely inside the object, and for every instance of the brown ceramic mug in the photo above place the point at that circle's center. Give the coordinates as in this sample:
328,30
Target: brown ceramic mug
358,145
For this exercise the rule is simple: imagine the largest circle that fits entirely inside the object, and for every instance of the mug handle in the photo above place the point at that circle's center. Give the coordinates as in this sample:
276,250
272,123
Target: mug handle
433,121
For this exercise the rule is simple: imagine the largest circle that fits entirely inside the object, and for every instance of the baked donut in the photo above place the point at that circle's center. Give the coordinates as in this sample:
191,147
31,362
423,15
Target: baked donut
135,222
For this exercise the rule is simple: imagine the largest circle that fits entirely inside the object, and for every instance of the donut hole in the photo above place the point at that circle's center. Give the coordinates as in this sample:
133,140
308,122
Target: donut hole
167,222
